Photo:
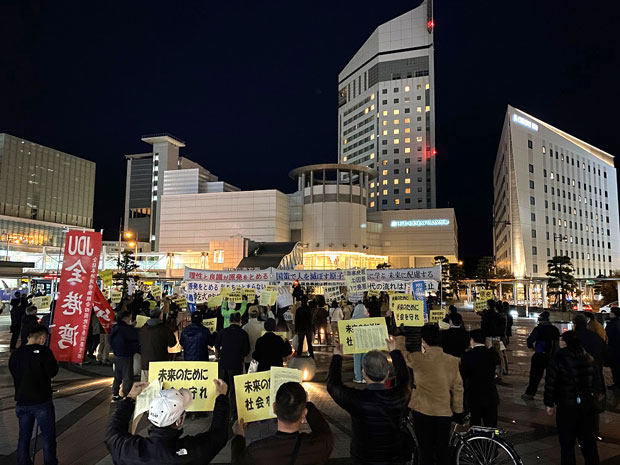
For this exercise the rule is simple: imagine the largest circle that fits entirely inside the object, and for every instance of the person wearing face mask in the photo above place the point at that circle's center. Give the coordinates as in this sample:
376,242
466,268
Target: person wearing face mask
165,443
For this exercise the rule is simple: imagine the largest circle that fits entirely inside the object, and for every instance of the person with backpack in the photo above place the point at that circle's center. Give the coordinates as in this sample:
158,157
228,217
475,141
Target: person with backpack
573,388
544,339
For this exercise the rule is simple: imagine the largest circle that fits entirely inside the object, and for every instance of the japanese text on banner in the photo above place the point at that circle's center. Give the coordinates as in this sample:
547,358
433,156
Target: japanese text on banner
409,313
356,281
347,336
252,394
197,377
396,299
103,310
78,280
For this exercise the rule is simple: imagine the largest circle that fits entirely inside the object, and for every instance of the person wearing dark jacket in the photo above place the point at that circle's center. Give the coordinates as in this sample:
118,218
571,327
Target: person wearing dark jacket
155,338
374,307
544,339
376,412
590,341
29,321
232,344
195,340
124,341
613,337
303,327
455,340
478,373
288,445
165,443
271,349
572,386
17,312
33,366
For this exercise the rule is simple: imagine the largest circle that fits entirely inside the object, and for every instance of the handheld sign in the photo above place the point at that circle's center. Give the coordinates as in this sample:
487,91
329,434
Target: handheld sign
347,335
210,324
399,298
279,376
253,396
367,338
409,313
435,316
197,377
156,292
235,297
250,293
41,302
214,301
141,320
485,294
115,296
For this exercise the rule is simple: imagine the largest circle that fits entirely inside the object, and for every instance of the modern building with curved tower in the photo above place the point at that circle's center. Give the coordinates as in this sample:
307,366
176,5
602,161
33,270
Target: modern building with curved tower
386,111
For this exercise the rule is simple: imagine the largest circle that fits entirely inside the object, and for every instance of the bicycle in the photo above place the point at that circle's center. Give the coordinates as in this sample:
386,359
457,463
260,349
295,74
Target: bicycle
477,445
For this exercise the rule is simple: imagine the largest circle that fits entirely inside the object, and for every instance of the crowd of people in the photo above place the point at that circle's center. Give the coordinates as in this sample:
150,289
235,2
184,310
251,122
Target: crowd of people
456,372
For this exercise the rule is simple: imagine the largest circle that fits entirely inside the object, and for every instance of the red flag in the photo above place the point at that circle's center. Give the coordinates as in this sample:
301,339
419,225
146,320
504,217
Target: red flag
103,310
78,281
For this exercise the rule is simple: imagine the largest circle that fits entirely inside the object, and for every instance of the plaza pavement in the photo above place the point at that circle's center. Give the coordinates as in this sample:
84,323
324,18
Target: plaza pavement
83,406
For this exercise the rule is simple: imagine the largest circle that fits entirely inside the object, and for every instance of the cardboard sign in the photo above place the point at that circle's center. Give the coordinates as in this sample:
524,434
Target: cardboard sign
235,297
210,324
399,298
156,292
347,336
409,313
356,281
197,377
41,302
485,294
367,338
250,293
435,316
253,396
215,301
331,293
141,320
116,296
279,376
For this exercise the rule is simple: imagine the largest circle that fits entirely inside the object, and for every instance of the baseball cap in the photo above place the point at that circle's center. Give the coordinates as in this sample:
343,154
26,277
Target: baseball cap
168,406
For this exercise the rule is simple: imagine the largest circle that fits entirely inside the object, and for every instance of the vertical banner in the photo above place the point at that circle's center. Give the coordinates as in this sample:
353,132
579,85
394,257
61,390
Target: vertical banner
419,293
103,310
78,281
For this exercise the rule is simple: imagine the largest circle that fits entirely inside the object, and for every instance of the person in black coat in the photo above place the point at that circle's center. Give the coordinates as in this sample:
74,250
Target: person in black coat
232,344
195,340
17,312
478,373
590,341
125,342
374,307
544,339
613,338
455,340
572,387
29,321
376,412
155,338
271,349
303,327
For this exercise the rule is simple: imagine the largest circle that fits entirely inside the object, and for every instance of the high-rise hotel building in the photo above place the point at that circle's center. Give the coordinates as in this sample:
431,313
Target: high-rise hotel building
554,195
386,112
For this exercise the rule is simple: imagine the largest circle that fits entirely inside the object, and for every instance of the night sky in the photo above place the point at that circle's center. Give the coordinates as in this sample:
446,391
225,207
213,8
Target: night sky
252,88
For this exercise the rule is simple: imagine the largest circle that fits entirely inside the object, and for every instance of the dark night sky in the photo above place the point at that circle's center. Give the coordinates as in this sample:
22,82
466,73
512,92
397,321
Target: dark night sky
252,88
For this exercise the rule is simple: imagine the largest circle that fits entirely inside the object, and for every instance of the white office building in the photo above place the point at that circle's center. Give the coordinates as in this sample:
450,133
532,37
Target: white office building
554,195
386,112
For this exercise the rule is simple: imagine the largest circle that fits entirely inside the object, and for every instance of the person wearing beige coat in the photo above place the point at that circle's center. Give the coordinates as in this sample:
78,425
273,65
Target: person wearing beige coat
437,395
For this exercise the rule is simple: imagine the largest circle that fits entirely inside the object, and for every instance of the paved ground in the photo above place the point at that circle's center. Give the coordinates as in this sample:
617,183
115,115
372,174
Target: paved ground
83,405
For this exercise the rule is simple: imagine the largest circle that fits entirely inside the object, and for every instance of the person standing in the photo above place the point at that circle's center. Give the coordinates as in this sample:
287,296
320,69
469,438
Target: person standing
374,307
437,397
155,338
254,327
478,373
270,349
613,337
335,315
572,389
544,339
595,326
320,323
455,340
124,341
232,344
17,312
196,339
33,366
29,321
358,312
303,327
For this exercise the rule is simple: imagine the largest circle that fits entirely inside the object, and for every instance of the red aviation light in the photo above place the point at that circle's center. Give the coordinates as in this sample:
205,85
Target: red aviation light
430,24
434,152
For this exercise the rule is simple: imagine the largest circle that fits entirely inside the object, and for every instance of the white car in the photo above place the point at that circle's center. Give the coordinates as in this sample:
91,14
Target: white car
607,308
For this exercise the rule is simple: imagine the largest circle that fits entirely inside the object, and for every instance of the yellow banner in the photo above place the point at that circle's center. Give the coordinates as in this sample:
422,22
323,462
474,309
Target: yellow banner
181,302
43,301
214,301
116,296
106,277
235,297
156,292
267,298
399,298
196,376
485,294
152,304
225,291
271,287
140,320
251,293
252,394
435,316
409,313
210,324
347,336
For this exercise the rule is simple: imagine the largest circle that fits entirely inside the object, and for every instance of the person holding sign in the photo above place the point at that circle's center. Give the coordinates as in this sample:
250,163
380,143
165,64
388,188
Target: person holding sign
124,340
455,340
358,312
376,412
288,445
164,443
271,349
437,397
196,339
228,308
155,339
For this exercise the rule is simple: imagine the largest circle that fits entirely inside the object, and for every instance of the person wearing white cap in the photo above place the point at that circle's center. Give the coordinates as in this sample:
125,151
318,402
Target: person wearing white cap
164,443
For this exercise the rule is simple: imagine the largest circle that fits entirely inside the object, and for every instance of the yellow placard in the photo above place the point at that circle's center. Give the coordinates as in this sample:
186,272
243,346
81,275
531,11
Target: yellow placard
391,292
197,377
235,297
141,320
279,376
485,294
271,287
409,313
143,401
214,301
347,336
250,292
225,291
435,316
181,302
282,334
267,297
152,304
373,293
43,301
115,296
156,292
398,298
480,305
253,396
210,324
367,338
106,277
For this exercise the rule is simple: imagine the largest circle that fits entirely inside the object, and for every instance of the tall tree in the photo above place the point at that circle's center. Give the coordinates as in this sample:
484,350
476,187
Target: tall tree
457,274
445,274
485,270
127,265
561,278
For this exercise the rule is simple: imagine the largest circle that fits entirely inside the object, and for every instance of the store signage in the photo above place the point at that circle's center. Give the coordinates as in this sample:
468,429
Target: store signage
524,122
419,223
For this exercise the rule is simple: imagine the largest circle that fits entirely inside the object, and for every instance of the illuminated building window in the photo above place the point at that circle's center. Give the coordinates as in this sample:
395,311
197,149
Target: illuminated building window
418,139
372,96
407,89
218,256
372,204
428,108
408,191
396,141
407,149
365,111
428,86
372,155
372,184
372,194
372,107
419,109
397,111
344,158
407,170
395,181
407,130
384,191
385,112
384,122
407,180
407,140
396,201
345,142
384,162
384,182
385,172
372,137
396,131
385,132
544,149
407,120
396,121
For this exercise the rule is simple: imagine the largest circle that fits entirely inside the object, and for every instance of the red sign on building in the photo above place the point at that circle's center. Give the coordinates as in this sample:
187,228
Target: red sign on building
78,284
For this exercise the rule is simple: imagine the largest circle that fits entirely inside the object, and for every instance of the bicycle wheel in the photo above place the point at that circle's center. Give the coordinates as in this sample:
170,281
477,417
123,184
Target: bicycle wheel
483,450
413,451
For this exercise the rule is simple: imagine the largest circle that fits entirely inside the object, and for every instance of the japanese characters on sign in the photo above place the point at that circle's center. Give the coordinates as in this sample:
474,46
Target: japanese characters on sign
41,302
250,293
279,376
480,305
230,277
399,298
106,277
367,338
103,310
356,280
235,297
347,336
267,297
156,292
197,377
373,293
180,301
205,289
485,294
210,324
410,313
435,316
253,396
78,280
115,296
331,293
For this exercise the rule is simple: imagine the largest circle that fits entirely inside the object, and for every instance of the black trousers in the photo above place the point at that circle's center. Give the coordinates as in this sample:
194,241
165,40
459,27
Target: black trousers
573,423
123,374
15,331
537,370
433,435
482,413
228,376
300,343
615,373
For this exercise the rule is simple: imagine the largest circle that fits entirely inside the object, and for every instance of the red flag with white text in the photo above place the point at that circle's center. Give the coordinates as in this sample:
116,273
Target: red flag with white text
103,310
78,282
